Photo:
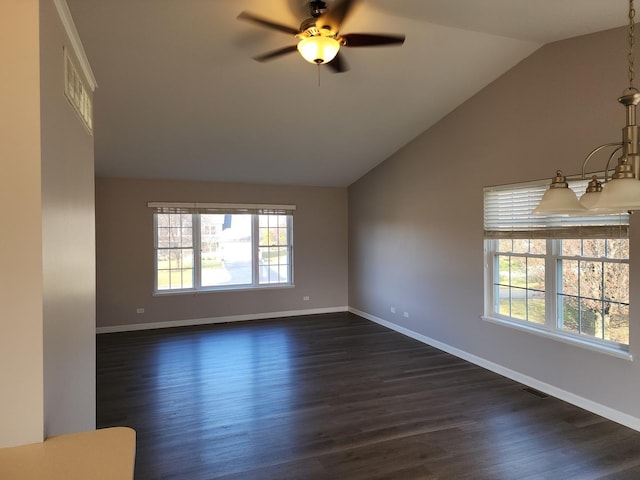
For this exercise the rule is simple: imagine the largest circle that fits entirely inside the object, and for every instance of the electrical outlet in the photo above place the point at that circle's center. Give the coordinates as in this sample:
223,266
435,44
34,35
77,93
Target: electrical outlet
305,298
393,309
139,310
406,314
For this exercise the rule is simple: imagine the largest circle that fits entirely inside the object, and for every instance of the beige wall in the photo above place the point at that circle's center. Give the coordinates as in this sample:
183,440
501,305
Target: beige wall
68,244
47,299
125,257
416,227
21,400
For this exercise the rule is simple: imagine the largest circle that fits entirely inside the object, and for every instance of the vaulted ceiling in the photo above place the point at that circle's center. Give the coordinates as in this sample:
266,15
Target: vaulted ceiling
179,95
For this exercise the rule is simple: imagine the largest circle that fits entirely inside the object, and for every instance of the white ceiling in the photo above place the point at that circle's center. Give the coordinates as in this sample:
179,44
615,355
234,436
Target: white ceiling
180,97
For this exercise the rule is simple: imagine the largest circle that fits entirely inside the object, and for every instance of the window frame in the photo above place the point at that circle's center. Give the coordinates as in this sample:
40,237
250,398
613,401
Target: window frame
551,328
196,210
156,250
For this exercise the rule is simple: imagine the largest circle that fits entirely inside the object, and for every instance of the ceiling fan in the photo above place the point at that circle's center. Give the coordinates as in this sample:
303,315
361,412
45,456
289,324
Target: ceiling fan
319,35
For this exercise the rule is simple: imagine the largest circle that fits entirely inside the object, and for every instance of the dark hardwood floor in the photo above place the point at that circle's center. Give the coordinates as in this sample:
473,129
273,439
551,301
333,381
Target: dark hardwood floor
338,397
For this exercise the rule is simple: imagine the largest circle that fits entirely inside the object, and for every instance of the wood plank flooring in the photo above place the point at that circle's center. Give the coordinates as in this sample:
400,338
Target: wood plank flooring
338,397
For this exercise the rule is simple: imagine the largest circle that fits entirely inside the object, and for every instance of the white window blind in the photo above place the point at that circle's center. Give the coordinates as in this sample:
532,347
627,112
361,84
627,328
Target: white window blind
226,208
508,213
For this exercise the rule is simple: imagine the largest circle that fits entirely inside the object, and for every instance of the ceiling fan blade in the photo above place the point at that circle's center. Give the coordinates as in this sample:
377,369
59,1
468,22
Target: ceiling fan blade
371,39
276,53
336,15
250,17
338,64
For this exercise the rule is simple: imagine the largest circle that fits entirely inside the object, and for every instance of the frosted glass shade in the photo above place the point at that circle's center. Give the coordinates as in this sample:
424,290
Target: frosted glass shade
589,199
619,195
559,201
318,49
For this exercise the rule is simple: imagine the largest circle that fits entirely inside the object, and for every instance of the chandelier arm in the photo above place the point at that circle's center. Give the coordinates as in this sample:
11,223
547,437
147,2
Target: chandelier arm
596,150
606,168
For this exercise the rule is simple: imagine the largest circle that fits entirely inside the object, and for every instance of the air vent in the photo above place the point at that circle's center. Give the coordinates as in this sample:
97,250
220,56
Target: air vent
76,92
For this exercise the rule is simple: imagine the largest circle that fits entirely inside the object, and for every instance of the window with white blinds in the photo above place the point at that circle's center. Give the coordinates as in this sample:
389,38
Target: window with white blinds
562,276
508,214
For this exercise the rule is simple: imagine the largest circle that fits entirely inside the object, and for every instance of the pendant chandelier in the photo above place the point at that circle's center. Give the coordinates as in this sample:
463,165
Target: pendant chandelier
621,192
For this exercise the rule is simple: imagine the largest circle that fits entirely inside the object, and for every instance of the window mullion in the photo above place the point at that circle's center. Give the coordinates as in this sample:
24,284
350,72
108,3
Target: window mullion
495,259
197,250
290,247
255,249
602,297
526,289
553,281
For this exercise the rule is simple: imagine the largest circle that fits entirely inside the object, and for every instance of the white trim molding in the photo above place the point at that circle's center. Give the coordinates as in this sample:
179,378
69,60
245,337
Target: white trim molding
76,43
214,320
562,337
594,407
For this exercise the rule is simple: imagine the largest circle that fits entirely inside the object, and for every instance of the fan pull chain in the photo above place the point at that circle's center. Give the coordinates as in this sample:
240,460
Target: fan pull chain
318,75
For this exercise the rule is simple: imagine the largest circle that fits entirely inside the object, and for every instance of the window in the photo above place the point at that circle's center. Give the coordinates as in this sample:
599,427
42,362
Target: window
76,92
564,275
217,246
519,281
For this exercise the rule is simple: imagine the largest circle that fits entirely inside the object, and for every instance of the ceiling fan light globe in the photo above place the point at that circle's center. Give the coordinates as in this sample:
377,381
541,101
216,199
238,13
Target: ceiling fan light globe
318,49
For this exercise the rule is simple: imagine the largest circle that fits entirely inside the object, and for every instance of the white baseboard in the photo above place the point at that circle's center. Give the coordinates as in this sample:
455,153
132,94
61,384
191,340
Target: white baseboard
212,320
594,407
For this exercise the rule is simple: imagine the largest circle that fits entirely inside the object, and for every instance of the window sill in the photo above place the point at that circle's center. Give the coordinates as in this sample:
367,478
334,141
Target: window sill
576,341
241,288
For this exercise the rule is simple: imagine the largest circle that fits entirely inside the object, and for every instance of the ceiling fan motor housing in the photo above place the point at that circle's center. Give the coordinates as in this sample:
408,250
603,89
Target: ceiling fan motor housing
317,8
